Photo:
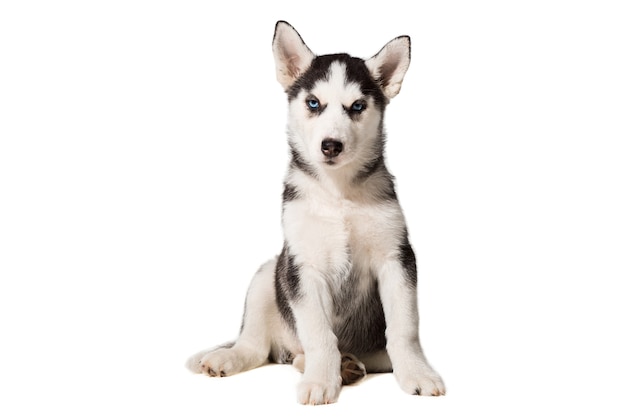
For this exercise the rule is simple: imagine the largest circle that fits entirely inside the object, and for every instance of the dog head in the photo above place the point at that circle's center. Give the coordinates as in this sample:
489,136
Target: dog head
337,102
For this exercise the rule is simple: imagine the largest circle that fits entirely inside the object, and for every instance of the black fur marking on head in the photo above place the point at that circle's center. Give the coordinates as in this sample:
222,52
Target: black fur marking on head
370,168
355,110
290,193
375,170
408,260
376,166
315,111
356,71
390,193
298,162
287,285
385,190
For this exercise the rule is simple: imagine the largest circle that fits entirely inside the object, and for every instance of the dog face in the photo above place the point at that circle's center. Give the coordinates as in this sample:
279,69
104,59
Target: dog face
337,102
331,119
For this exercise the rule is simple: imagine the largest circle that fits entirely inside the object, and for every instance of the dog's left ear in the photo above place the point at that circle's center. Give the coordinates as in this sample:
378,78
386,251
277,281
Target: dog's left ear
291,54
390,64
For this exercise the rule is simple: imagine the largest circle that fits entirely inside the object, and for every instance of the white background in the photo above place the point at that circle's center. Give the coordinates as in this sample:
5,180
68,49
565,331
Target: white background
142,152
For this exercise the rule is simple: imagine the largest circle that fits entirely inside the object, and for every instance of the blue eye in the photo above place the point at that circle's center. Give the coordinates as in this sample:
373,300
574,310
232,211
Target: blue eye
313,103
358,106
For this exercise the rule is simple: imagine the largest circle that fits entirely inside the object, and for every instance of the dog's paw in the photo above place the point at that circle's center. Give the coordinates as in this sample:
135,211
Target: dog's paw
220,362
424,382
317,393
352,369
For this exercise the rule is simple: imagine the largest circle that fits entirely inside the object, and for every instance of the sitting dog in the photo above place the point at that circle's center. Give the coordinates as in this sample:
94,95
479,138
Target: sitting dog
340,299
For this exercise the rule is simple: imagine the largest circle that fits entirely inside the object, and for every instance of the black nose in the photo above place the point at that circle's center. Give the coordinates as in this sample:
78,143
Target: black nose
331,147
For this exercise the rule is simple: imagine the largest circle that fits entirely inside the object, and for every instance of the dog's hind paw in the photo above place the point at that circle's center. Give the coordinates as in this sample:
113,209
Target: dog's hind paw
220,363
352,369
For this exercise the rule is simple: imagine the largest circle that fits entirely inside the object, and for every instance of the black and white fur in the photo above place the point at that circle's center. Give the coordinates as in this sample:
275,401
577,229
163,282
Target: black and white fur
344,285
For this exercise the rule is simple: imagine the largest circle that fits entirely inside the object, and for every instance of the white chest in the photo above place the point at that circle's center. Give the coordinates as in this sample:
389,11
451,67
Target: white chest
338,234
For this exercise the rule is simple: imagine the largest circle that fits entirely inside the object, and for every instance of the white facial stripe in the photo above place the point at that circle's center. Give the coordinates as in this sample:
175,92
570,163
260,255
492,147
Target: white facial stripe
335,93
335,90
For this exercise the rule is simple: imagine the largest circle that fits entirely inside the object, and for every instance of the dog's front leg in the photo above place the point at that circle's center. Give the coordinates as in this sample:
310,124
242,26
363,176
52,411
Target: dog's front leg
321,381
397,285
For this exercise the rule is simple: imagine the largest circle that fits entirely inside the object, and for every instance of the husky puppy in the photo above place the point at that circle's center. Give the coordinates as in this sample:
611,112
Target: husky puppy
340,299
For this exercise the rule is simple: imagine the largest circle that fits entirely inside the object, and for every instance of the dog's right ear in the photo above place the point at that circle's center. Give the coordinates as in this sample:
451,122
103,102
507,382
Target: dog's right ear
291,55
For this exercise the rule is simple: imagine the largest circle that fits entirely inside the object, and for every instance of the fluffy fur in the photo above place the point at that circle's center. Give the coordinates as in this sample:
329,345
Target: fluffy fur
340,299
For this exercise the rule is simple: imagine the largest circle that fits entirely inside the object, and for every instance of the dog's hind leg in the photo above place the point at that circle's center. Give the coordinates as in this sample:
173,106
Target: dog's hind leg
194,363
252,348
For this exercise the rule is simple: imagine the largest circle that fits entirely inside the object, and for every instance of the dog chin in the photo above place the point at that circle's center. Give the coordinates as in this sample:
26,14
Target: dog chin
333,163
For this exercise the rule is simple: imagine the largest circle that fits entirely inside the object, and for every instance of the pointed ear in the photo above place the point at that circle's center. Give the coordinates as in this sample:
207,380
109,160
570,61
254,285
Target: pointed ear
389,65
291,54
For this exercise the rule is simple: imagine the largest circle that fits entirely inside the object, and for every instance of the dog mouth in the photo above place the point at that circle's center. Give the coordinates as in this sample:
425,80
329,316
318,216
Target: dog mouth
334,162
